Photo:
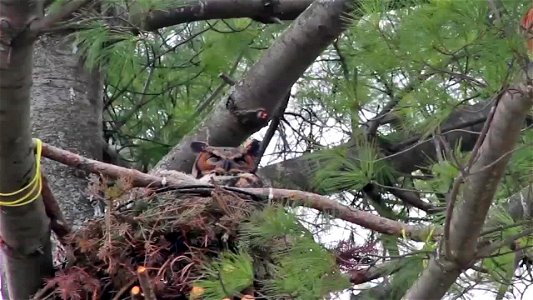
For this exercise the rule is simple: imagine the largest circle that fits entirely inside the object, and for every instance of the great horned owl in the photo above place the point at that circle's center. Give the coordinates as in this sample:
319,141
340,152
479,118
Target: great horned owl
233,166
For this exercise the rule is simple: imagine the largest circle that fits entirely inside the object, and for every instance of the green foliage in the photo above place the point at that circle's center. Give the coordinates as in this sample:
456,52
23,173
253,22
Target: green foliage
444,174
269,224
99,44
302,268
222,49
501,263
56,5
227,276
520,167
501,267
340,171
436,38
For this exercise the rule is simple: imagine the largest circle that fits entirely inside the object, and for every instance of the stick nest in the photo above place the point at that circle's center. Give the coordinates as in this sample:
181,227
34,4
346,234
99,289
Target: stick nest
171,234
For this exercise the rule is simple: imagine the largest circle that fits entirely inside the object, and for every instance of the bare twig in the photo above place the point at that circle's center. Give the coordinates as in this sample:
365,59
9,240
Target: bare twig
227,79
411,198
487,250
273,127
140,179
376,271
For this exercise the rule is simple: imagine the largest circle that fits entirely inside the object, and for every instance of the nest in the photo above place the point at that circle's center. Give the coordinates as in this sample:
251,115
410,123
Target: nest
170,234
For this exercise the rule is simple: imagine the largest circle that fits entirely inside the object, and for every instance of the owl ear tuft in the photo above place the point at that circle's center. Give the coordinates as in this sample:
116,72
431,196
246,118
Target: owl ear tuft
253,147
198,147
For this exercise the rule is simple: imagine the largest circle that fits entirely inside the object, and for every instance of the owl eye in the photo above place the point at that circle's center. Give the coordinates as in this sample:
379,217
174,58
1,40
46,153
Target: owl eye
213,159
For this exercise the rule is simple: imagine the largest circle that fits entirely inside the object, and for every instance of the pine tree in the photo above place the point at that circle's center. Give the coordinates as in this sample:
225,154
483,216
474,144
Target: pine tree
404,148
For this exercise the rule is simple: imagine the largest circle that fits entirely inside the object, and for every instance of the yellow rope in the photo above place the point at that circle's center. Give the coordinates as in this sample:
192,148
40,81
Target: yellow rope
35,184
404,233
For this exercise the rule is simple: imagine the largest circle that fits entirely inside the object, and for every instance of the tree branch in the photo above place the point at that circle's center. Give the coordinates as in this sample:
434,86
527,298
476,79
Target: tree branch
376,271
410,155
273,127
177,180
478,192
45,23
194,10
58,223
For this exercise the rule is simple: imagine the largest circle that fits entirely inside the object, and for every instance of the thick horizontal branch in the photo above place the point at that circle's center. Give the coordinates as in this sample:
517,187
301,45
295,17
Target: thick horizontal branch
194,10
288,197
346,213
188,11
462,126
139,179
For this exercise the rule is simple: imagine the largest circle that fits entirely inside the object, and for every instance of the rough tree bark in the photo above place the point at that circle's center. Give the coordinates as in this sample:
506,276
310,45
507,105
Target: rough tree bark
24,230
66,112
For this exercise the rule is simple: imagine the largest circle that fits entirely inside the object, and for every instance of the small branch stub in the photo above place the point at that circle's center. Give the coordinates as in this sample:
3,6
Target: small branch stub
146,286
252,118
136,293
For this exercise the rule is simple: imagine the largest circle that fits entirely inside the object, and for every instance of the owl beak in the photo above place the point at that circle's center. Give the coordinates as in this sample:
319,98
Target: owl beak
227,165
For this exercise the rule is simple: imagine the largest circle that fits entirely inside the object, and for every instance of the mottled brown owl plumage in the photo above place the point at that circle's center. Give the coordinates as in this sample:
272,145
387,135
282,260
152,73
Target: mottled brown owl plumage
238,162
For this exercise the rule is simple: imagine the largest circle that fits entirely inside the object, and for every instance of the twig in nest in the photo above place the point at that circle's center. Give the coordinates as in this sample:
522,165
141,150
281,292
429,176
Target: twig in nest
144,281
219,200
124,289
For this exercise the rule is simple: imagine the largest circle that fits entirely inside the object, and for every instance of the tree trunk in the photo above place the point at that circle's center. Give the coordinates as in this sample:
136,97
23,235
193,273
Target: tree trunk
24,229
67,113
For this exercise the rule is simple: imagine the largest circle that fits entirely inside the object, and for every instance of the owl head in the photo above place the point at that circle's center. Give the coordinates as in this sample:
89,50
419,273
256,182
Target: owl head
224,160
